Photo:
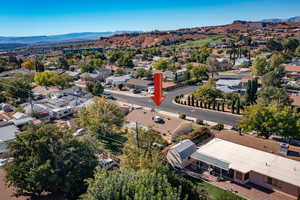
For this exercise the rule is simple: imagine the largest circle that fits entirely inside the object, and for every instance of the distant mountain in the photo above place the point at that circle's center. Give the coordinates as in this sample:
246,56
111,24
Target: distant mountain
58,38
277,20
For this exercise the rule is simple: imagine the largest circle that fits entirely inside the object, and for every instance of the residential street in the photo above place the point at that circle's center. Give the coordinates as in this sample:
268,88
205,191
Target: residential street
167,105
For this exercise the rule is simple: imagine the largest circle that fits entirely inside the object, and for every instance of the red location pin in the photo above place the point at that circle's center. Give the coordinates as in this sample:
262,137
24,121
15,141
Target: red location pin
158,91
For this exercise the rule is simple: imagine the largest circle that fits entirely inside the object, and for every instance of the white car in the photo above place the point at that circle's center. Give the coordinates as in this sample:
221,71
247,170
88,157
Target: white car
4,161
151,90
79,132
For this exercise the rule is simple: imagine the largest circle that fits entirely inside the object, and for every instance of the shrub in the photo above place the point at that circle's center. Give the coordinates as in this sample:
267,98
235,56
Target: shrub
218,127
182,116
199,121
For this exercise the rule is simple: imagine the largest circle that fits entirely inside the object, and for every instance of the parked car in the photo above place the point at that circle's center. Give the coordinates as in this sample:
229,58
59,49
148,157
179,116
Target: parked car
4,161
158,119
136,91
109,96
79,132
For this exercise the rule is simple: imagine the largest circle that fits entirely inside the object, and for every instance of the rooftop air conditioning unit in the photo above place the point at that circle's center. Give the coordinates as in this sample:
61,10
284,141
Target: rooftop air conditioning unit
284,148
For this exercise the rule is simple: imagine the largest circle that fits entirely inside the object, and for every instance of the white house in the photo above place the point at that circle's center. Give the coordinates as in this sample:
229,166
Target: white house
7,134
116,80
58,113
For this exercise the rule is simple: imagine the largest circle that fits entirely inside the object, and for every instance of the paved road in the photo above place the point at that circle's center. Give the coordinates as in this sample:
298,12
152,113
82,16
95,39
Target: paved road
168,106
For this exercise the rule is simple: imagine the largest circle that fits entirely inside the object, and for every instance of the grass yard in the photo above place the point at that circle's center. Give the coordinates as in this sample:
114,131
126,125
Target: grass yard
214,193
200,43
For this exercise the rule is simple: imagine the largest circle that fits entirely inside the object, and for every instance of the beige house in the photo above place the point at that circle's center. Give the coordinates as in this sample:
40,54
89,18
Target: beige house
168,126
250,161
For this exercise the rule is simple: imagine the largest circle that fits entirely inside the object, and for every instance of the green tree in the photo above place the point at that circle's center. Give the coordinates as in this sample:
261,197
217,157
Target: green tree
101,118
63,63
251,90
125,61
141,151
18,88
95,88
28,64
142,185
49,78
208,92
46,159
131,185
200,72
260,119
273,96
290,44
213,65
161,65
287,123
275,62
272,79
260,66
273,45
297,52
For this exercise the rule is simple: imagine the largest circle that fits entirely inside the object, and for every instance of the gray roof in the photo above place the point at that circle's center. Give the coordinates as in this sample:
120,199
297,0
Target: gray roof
23,121
210,160
8,133
185,148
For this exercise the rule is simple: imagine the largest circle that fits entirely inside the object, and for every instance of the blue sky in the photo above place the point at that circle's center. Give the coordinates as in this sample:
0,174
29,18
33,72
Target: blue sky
48,17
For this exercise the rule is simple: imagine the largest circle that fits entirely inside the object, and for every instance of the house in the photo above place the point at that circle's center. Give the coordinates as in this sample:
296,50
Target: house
59,113
96,75
169,127
178,154
292,71
138,84
248,165
296,101
7,134
242,61
116,80
250,161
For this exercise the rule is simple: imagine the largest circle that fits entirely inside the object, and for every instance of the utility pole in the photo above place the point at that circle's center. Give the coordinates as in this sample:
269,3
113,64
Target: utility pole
137,134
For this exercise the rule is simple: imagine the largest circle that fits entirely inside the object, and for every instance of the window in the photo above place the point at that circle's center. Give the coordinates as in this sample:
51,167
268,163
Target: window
246,176
269,180
239,175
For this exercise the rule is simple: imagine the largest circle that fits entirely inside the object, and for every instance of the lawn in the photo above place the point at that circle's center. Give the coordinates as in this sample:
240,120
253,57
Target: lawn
200,43
214,193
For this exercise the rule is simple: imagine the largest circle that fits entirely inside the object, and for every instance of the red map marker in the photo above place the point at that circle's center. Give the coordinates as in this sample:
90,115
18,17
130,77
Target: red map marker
158,92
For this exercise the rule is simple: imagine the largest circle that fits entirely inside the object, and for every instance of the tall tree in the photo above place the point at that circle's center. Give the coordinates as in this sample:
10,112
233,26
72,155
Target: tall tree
141,150
161,65
251,90
101,118
46,159
260,66
208,92
213,65
273,96
290,44
200,72
130,185
274,45
259,119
